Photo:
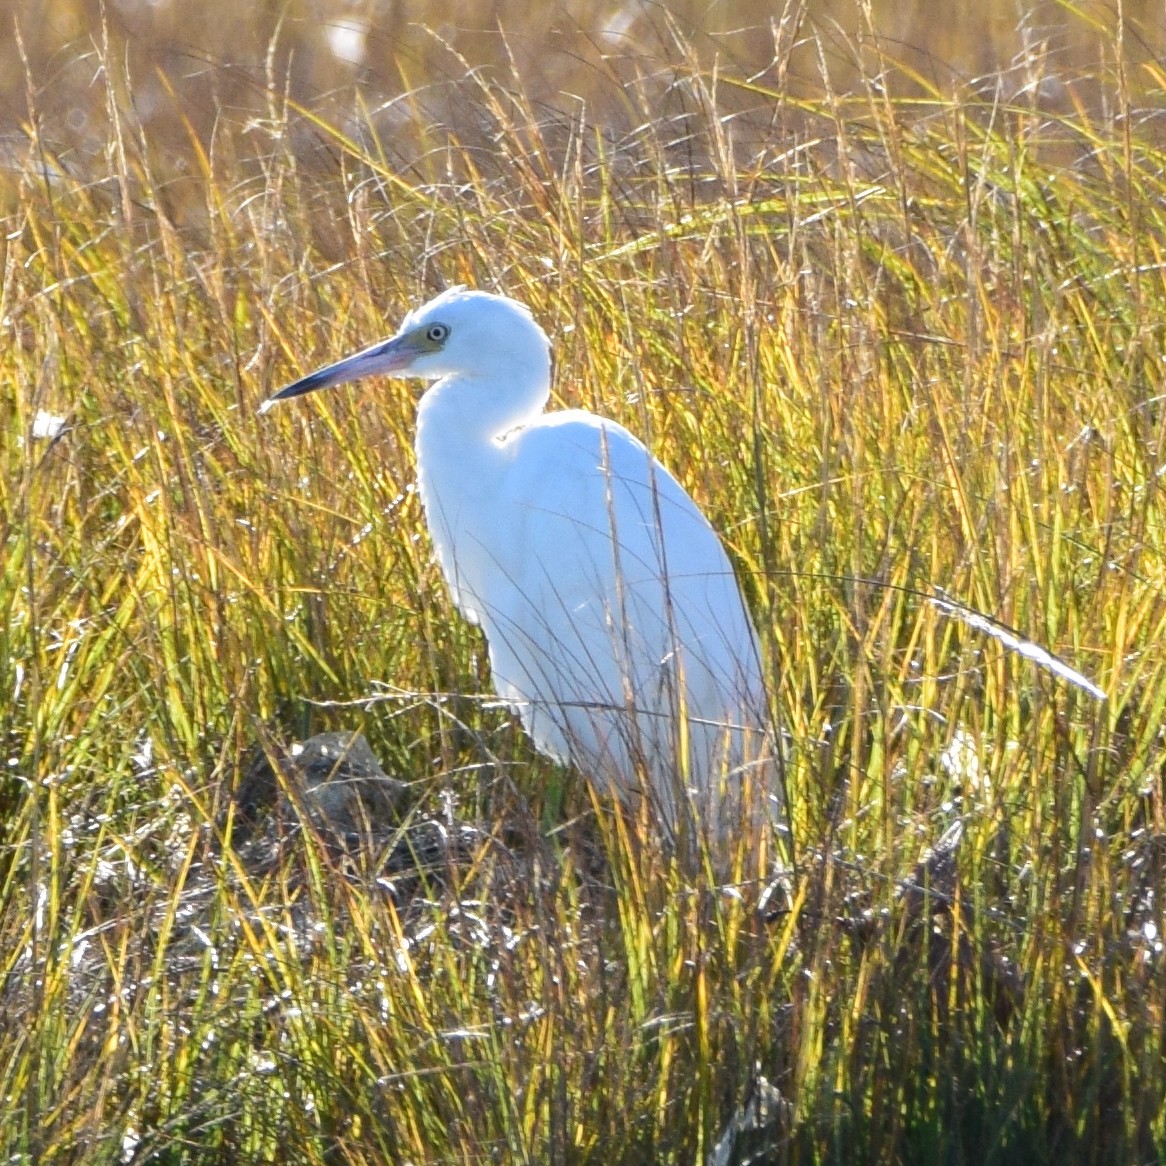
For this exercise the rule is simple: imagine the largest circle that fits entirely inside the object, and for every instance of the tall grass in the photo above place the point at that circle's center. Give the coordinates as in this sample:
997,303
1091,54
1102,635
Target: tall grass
898,350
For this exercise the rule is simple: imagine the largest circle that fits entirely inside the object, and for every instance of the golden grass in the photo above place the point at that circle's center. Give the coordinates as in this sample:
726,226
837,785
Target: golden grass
898,350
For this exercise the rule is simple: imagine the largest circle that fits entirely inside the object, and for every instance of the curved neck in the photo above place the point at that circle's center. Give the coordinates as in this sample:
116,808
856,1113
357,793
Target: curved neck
461,463
463,409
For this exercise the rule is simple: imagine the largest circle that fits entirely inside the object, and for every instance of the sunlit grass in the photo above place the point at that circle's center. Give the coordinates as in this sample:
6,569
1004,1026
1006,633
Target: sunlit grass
898,352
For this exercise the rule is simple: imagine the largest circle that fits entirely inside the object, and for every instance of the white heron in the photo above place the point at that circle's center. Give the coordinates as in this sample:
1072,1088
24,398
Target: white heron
615,626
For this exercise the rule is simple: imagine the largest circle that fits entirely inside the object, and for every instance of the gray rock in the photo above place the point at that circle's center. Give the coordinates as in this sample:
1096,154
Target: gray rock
333,779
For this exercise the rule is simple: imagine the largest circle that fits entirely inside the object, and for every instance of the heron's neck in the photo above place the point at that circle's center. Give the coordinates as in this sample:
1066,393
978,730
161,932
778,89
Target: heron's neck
462,414
461,464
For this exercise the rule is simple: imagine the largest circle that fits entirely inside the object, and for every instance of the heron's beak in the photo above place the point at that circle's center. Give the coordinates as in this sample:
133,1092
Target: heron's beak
386,358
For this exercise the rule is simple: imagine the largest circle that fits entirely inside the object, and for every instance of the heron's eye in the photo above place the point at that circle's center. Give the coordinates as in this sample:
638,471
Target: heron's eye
437,333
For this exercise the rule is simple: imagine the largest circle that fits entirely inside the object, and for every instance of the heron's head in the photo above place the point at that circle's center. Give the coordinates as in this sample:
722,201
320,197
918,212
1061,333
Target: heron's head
460,333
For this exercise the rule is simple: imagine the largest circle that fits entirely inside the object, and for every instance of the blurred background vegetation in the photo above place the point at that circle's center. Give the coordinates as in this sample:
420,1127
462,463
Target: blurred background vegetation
197,66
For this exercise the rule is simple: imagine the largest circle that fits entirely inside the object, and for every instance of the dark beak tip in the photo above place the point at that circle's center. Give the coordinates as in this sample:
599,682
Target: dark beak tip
275,399
295,389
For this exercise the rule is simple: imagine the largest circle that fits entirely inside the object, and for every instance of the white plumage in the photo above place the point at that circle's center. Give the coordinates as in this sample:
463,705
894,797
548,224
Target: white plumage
615,626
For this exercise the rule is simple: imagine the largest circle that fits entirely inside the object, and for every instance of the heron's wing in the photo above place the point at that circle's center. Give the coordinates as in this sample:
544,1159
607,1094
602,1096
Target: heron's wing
606,538
615,625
